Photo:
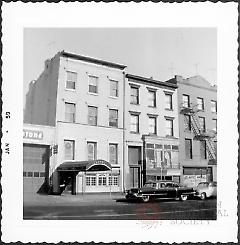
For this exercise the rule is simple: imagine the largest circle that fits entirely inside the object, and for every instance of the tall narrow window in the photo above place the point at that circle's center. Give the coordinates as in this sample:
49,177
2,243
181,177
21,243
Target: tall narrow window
92,115
70,112
113,88
113,153
187,120
169,127
185,100
113,118
200,104
93,84
214,124
168,101
188,149
134,123
151,98
202,124
152,125
214,106
134,95
71,80
69,149
92,150
203,149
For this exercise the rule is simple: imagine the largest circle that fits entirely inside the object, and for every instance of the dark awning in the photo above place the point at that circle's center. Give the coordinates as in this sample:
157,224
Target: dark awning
94,165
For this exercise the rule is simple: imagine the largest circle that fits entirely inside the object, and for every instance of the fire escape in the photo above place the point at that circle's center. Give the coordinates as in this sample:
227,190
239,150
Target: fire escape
199,132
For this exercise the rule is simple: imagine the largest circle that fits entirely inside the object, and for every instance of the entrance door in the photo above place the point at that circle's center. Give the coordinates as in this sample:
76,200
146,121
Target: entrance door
134,161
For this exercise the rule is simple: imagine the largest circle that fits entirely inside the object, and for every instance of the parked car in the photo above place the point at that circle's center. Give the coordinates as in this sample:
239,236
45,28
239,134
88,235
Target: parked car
160,189
206,189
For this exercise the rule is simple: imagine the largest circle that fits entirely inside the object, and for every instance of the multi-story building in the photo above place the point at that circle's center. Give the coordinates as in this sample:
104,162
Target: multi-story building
197,104
82,98
151,140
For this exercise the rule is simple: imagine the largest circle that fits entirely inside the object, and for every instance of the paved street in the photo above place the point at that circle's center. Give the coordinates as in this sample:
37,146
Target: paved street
115,207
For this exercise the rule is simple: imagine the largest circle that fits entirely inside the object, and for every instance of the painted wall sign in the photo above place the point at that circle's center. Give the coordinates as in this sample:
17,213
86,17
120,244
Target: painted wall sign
32,134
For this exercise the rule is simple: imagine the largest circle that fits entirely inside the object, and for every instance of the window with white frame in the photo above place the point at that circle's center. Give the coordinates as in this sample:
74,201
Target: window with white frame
71,80
200,104
92,150
151,98
134,123
113,88
186,100
134,95
152,124
69,149
92,115
70,111
91,180
214,106
113,154
113,118
93,84
188,149
214,124
202,124
113,180
169,126
168,101
187,121
102,180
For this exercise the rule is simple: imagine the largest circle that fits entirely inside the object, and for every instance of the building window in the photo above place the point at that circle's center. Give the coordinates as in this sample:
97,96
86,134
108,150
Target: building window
168,101
200,104
71,80
152,125
113,88
70,112
151,98
69,149
187,122
92,150
91,180
92,115
113,153
113,180
188,148
215,125
214,106
102,180
202,124
93,84
169,127
134,95
186,100
113,118
134,123
203,149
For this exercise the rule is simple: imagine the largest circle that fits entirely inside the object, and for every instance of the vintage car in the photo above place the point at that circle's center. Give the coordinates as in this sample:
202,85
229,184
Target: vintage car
160,189
206,189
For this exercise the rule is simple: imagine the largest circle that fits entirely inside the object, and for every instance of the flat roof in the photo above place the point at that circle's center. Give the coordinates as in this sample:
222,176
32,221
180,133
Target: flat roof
92,60
151,81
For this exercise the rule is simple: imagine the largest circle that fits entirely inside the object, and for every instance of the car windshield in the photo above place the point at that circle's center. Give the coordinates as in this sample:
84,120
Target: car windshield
150,184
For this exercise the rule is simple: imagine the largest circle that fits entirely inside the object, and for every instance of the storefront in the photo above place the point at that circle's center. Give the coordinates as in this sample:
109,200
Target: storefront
194,175
161,160
37,142
88,176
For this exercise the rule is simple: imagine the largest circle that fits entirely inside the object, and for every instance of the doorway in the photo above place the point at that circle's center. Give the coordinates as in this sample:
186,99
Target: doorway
134,162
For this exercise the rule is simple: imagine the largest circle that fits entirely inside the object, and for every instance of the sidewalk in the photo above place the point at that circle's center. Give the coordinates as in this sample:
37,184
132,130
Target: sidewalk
42,199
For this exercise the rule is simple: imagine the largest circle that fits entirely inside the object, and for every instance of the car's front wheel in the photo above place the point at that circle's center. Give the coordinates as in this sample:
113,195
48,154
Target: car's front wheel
183,197
203,196
145,198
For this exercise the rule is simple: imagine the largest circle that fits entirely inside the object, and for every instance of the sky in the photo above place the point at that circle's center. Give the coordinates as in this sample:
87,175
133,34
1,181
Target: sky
160,53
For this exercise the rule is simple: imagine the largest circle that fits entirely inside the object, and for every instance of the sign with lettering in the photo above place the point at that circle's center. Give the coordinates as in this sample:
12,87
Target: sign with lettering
32,134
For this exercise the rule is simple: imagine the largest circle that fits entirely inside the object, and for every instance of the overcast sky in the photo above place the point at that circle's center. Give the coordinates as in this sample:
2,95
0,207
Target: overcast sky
160,53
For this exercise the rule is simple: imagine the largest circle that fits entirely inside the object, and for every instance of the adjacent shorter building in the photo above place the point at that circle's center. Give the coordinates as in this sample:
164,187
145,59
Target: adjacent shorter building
197,105
151,122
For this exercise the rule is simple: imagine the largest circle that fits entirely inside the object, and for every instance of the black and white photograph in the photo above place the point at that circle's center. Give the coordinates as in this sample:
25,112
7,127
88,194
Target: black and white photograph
123,125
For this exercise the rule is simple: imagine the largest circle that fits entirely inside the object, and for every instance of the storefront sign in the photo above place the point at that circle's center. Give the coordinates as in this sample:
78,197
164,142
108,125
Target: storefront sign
32,134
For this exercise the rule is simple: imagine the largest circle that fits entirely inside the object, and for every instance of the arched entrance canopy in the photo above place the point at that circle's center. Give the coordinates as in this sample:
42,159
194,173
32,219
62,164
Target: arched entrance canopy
94,165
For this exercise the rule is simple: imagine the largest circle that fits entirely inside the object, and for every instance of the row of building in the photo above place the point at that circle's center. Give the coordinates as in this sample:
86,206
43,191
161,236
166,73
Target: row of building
91,126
